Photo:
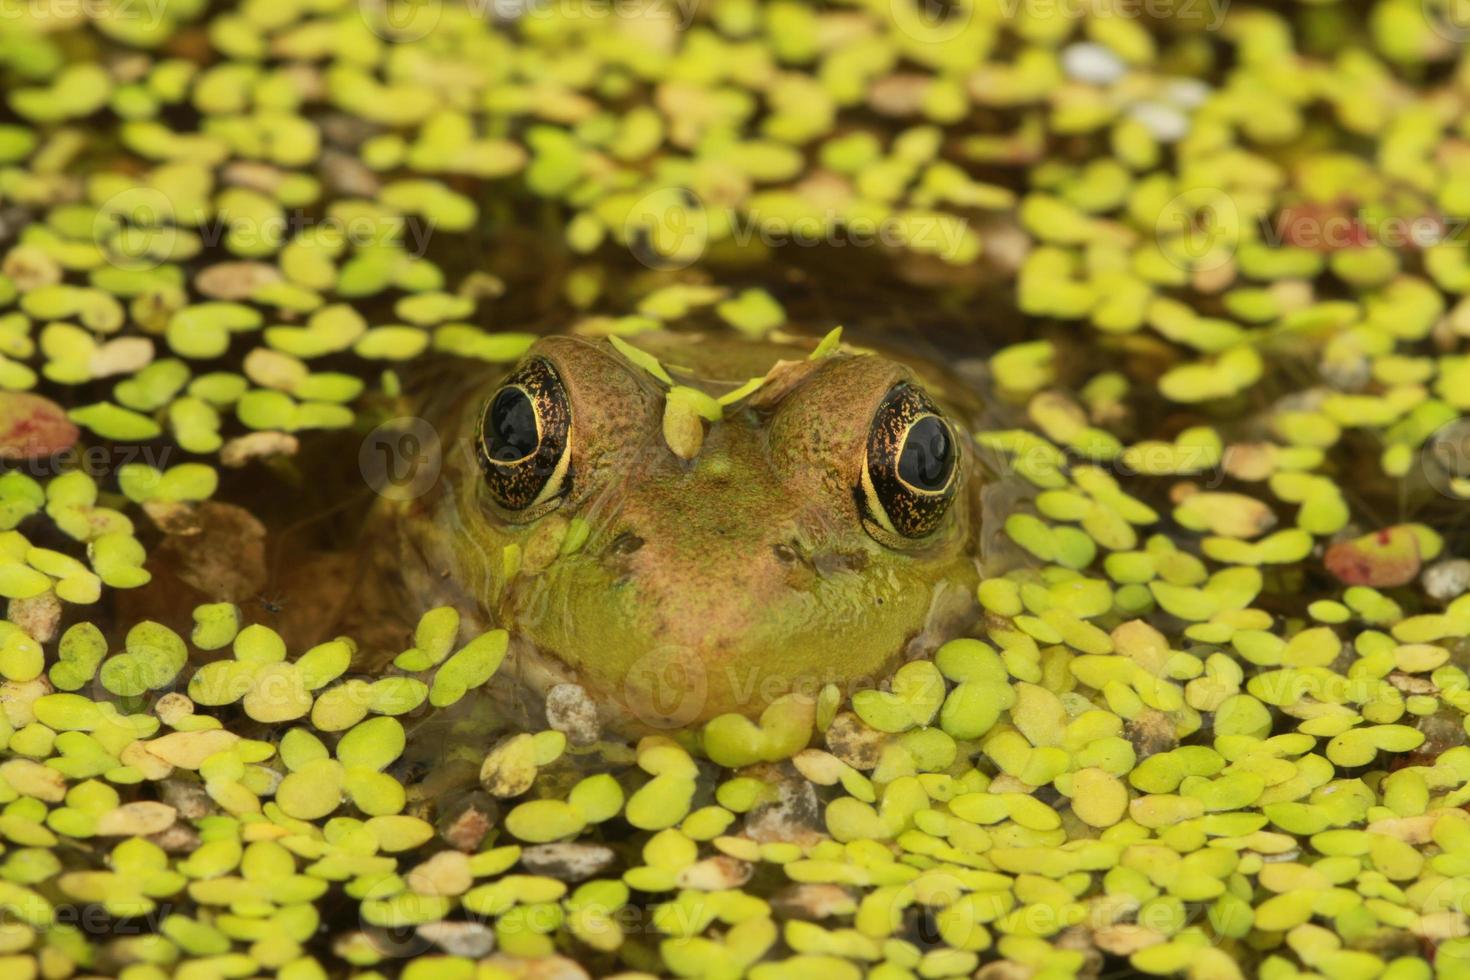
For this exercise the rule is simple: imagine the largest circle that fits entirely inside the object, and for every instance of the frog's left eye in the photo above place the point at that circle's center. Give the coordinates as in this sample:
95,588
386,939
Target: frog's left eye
524,435
911,464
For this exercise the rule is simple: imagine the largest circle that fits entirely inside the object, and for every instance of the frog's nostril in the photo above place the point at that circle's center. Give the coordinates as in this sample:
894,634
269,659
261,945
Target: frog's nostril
785,554
625,544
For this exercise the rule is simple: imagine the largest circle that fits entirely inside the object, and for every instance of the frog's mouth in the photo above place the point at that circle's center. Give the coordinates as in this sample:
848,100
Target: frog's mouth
671,687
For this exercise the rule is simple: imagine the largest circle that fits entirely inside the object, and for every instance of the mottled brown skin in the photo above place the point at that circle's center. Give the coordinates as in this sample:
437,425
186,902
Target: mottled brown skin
709,585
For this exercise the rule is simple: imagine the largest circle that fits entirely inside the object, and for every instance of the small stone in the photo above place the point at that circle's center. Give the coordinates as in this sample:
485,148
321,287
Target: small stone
464,826
570,711
257,445
851,740
795,815
175,518
39,615
1166,123
1151,732
1446,580
715,874
180,838
814,901
186,796
568,861
1092,63
1187,93
235,281
348,176
471,939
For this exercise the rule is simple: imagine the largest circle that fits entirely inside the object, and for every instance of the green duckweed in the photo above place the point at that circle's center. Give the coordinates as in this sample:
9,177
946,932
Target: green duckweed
1212,723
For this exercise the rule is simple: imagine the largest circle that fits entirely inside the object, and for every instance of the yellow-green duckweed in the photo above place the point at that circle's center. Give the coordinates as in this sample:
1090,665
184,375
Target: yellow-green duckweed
1213,721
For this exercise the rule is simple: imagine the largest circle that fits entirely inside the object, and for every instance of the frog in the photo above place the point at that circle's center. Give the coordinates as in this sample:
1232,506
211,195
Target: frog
823,530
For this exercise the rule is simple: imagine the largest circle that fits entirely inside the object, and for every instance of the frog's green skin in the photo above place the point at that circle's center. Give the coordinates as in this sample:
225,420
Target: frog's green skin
703,586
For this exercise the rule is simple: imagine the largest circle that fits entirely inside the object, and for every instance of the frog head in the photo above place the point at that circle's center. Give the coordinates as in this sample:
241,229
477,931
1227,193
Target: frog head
823,530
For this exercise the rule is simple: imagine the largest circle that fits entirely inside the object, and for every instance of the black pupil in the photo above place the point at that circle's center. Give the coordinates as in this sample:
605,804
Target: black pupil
927,456
512,430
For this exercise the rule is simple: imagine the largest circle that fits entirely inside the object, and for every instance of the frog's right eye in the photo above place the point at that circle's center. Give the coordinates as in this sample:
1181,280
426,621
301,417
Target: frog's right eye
524,437
911,465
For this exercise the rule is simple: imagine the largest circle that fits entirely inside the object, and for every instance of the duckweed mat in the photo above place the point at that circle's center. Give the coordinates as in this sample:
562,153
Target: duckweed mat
1213,723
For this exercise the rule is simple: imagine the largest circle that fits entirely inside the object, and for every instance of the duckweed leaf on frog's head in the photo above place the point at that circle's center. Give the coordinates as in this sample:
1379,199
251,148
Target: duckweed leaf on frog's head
686,410
641,358
828,345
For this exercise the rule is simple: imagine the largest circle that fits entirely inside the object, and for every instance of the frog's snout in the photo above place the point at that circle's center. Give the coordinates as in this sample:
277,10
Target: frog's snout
672,634
715,636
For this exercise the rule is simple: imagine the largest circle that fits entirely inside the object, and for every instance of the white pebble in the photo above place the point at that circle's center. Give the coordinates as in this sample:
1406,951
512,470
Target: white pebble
472,939
1089,62
570,711
1187,93
1449,579
1166,123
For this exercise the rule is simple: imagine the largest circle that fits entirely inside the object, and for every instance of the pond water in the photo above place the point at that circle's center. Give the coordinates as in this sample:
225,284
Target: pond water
445,533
